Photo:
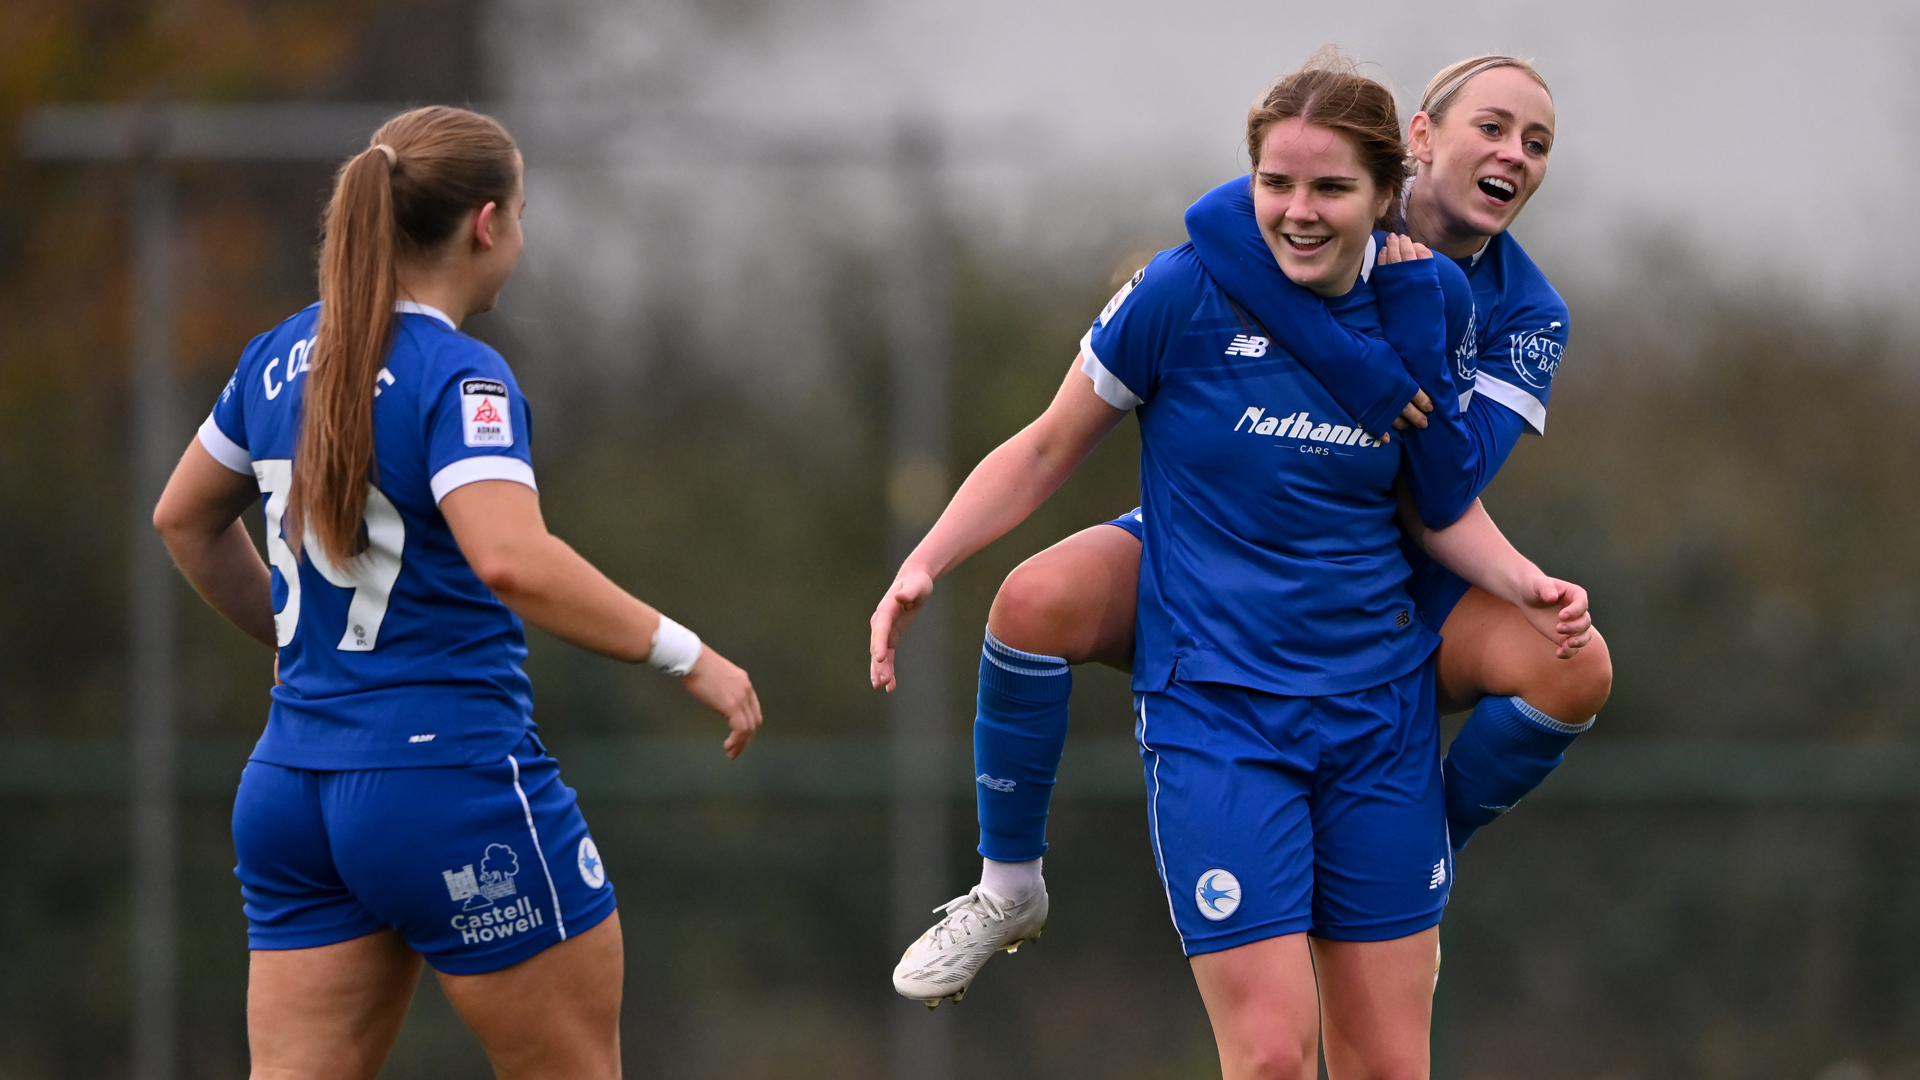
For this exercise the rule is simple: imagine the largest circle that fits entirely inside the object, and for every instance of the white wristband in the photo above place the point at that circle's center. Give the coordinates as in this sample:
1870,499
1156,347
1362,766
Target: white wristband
675,648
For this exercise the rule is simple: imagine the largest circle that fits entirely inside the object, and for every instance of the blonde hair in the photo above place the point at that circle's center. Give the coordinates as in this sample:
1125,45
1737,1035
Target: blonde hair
1454,77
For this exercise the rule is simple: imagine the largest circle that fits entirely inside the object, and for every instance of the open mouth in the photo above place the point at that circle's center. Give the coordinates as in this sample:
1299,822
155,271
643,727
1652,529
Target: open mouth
1497,189
1305,243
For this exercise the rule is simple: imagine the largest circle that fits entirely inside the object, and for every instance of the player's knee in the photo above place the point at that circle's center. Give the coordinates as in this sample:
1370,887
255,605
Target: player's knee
1279,1056
1038,610
1572,691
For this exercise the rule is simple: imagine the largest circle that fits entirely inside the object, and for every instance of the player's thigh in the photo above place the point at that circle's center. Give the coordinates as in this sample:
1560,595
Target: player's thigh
329,1012
1377,997
555,1015
1489,649
1074,600
1260,998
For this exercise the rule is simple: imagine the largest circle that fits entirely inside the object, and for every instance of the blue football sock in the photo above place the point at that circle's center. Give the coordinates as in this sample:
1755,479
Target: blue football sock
1505,750
1018,734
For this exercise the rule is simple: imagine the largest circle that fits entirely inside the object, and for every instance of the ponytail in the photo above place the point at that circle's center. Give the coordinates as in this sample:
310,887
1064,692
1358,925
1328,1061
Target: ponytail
402,197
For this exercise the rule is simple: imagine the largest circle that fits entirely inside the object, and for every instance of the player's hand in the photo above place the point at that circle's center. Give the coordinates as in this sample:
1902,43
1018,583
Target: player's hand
1558,610
904,599
1415,413
276,668
722,686
1401,248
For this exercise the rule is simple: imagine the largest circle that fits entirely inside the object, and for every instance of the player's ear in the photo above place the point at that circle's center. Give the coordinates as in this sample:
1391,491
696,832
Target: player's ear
483,226
1420,138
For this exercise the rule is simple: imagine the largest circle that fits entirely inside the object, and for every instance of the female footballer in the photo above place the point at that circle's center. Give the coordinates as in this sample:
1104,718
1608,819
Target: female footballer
1285,692
1479,149
400,806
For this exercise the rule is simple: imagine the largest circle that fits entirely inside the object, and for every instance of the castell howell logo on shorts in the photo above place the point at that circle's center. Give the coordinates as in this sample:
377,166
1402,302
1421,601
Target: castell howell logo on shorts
484,893
1217,893
494,882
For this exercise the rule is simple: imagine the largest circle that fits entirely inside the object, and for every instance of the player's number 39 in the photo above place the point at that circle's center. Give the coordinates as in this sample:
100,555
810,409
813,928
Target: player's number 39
371,576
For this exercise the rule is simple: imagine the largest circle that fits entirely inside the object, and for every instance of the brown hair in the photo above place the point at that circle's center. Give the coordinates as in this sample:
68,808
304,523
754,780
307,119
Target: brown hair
1454,77
402,196
1329,91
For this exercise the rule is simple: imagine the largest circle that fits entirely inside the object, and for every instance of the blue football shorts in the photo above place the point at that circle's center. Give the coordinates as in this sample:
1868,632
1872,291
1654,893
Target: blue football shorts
1433,588
1134,521
477,866
1274,815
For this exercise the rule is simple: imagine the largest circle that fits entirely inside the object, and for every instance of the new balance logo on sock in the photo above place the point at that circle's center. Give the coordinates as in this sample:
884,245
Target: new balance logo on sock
1439,876
995,783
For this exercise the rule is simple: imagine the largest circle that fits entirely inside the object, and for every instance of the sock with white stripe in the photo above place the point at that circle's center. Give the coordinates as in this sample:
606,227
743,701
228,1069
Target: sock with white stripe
1018,734
1505,750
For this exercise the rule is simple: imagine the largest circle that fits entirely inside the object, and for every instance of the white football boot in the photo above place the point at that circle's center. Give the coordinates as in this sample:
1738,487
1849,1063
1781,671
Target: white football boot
944,961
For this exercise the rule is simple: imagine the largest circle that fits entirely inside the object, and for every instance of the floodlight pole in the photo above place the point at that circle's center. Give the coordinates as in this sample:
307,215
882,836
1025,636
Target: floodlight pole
150,622
917,488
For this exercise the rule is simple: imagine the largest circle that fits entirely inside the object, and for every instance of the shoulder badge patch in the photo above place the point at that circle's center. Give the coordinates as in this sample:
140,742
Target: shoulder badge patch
484,413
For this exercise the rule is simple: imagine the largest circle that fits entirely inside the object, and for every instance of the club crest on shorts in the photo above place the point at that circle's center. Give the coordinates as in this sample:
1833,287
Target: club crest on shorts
498,865
592,870
1217,894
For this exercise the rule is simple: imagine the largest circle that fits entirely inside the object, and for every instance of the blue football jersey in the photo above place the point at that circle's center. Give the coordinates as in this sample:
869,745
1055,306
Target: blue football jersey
401,656
1274,560
1524,335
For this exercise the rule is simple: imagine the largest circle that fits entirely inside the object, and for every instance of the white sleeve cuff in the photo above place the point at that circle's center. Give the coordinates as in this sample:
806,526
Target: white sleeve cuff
1528,406
1110,389
225,450
485,467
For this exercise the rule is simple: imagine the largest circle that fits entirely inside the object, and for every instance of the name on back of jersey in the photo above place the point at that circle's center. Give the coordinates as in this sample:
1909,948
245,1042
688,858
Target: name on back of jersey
484,413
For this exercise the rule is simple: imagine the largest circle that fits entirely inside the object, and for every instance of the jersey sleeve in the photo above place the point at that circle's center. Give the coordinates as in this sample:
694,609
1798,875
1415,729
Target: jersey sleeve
224,433
1519,357
1122,352
1364,375
477,425
1426,307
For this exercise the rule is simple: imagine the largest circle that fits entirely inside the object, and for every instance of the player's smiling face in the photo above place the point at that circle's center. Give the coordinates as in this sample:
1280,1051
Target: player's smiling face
1484,159
1316,204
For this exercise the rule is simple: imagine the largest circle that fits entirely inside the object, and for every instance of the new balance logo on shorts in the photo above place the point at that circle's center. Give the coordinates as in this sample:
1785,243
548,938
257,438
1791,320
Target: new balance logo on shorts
1439,875
1247,345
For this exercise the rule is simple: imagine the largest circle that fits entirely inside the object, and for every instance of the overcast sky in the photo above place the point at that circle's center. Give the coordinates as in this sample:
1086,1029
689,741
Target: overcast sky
1775,137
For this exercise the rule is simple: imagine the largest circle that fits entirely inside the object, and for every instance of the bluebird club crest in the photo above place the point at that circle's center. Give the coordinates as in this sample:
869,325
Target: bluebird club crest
1218,894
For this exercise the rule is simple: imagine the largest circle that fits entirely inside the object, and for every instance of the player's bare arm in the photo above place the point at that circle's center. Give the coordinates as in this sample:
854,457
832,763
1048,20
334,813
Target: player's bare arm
1001,491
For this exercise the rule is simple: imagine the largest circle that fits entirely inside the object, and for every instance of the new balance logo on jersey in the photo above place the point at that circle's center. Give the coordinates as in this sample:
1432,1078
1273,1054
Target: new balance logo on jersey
1247,345
1439,875
1301,425
994,783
